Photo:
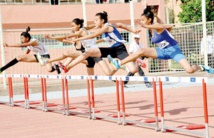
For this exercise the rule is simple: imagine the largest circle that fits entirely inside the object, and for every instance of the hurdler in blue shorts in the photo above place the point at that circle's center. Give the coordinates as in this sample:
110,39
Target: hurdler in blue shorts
167,46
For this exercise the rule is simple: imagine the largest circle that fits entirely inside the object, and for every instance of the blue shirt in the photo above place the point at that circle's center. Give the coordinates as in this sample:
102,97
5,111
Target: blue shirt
113,38
164,39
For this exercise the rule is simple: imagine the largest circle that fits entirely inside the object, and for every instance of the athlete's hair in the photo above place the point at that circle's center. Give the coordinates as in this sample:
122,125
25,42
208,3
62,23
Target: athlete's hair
78,21
103,15
148,13
26,34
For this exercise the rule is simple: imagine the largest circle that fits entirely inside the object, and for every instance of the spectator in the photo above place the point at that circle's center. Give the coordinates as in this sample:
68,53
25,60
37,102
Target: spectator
99,1
134,47
54,2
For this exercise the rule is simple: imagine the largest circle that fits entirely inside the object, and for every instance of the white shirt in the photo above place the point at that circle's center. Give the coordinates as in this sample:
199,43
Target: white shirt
38,49
210,45
89,43
134,47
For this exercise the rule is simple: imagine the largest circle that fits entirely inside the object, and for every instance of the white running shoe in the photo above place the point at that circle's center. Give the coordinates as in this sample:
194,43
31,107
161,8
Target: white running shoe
40,59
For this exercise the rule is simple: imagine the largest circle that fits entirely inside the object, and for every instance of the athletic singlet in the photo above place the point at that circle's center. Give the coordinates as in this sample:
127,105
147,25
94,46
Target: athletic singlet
81,48
89,43
113,38
38,49
164,39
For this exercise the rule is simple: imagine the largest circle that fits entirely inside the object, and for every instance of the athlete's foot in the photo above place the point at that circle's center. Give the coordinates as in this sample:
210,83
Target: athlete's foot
140,63
123,67
63,67
57,68
38,56
113,62
209,69
148,84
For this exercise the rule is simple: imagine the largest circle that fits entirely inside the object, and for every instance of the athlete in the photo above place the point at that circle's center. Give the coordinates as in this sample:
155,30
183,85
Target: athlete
31,44
167,46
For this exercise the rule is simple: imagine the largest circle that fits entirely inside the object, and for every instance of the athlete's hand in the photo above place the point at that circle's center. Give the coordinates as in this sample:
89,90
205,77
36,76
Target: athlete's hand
75,40
48,36
136,31
67,40
5,45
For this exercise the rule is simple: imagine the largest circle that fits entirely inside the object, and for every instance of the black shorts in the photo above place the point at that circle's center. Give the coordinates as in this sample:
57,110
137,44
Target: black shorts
46,56
119,52
91,61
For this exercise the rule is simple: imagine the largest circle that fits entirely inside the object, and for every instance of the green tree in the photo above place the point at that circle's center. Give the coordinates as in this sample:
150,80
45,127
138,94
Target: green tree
191,11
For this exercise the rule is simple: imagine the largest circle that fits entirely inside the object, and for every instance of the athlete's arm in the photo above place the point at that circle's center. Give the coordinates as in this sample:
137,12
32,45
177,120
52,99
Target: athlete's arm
28,51
99,41
31,43
91,26
96,34
60,38
68,41
125,27
157,26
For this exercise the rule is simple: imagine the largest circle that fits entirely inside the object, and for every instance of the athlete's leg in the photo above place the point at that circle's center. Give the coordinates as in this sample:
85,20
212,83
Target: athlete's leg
105,68
26,58
191,69
70,53
21,58
148,52
94,52
90,71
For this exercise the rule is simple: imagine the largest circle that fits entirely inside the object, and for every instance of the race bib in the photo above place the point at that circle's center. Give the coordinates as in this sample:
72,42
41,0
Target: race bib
162,44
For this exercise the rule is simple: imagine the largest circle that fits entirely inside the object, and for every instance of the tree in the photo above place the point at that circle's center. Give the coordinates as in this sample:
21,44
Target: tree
192,11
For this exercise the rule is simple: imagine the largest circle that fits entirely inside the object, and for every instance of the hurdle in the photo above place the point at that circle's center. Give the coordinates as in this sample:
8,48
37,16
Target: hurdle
91,113
120,102
151,123
188,129
43,105
110,117
68,109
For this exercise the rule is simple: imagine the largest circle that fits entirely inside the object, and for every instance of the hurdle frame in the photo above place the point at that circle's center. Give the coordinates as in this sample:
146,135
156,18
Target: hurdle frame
203,81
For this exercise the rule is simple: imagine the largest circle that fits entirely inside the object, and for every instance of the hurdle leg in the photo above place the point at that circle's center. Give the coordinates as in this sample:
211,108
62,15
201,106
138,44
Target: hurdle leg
63,95
205,109
10,84
155,105
123,101
89,98
161,106
26,92
28,106
45,95
92,99
118,103
67,98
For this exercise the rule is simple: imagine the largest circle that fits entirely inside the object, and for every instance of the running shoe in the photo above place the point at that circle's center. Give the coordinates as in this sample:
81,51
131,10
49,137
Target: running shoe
148,84
63,67
140,63
57,68
207,68
40,59
0,71
114,62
